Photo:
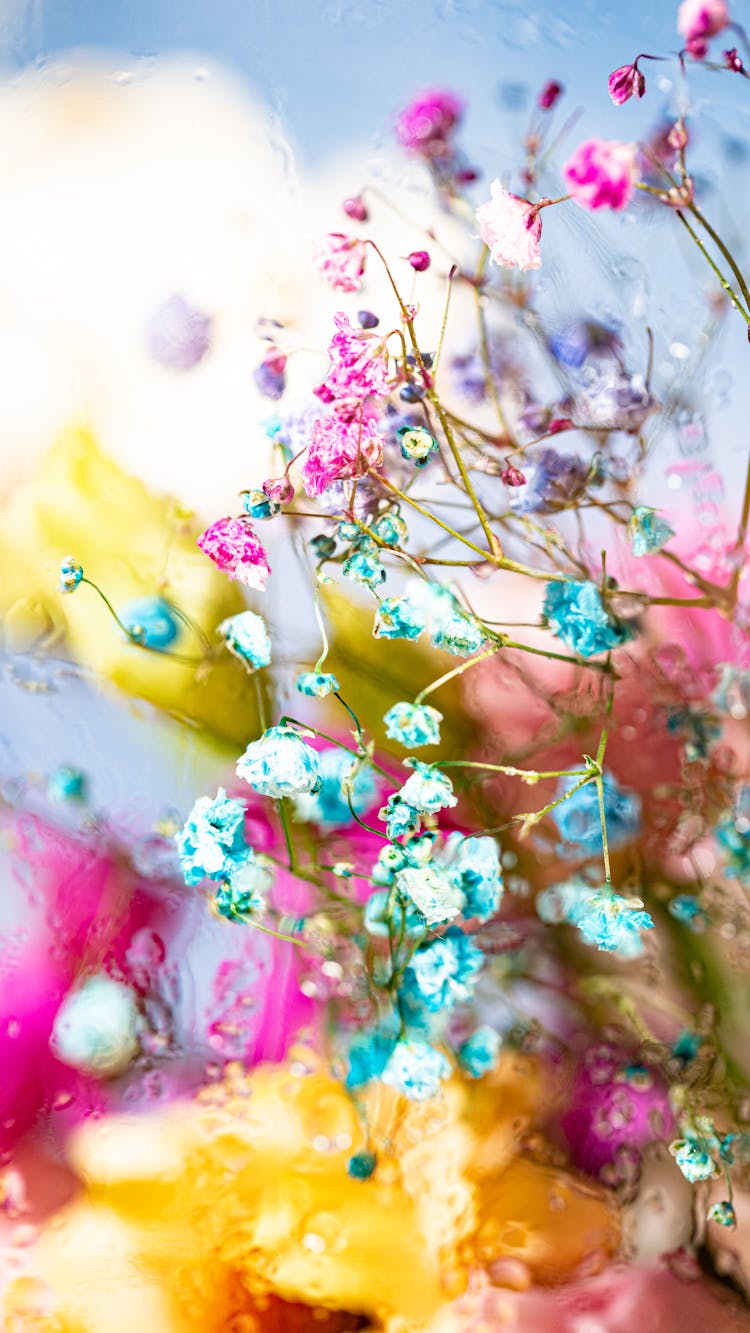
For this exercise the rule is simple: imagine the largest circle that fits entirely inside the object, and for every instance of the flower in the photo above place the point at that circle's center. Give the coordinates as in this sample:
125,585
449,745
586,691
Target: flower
576,614
511,228
316,684
723,1213
427,790
474,869
151,622
328,806
479,1053
626,82
359,364
413,725
67,784
697,20
339,450
96,1027
419,260
178,336
341,261
71,573
270,375
416,1070
578,817
696,1156
400,818
280,764
396,618
247,637
431,892
365,567
426,124
211,843
417,444
258,505
243,895
368,1057
459,634
602,174
442,973
381,905
648,532
552,481
605,919
549,95
233,546
390,528
361,1165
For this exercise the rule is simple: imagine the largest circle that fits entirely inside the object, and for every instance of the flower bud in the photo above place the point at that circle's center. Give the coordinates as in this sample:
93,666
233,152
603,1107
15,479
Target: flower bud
626,82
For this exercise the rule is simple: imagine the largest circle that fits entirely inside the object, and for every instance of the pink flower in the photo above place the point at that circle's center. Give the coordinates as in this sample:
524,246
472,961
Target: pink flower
550,94
233,546
602,174
626,82
341,261
511,229
427,122
697,20
358,364
339,449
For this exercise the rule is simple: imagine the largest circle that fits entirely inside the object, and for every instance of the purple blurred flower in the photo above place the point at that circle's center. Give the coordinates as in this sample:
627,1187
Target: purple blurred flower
178,336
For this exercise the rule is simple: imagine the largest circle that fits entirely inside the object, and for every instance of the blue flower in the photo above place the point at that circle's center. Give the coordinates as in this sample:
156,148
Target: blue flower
327,806
377,908
280,764
431,892
400,818
733,834
391,529
576,614
442,973
396,618
413,725
427,790
247,637
474,868
368,1057
648,532
361,1165
416,1070
459,634
211,844
579,821
259,505
605,919
151,621
479,1053
364,567
243,895
723,1213
67,784
697,1153
417,444
552,481
316,684
96,1026
71,573
687,910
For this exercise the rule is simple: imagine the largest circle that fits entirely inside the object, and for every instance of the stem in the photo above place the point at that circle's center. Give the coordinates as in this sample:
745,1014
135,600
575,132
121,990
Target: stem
730,293
457,671
600,794
726,252
135,642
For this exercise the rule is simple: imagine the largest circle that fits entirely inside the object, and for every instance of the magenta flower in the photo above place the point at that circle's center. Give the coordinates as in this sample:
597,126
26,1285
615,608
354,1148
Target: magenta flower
550,95
233,546
428,121
341,261
602,174
358,364
339,449
511,228
626,82
697,20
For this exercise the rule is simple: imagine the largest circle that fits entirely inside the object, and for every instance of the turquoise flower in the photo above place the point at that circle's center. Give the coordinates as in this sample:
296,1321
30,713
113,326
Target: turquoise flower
151,621
579,821
391,529
479,1053
280,764
697,1154
379,905
427,790
369,1056
417,444
648,532
328,806
67,784
576,614
413,725
723,1213
431,892
416,1070
243,895
399,817
71,573
96,1027
211,844
316,684
396,618
361,1165
259,505
604,918
365,567
442,973
459,634
687,910
474,869
247,637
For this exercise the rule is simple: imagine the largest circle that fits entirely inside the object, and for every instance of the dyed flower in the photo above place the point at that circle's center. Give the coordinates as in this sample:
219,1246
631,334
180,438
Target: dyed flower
340,260
381,905
67,784
723,1213
605,919
579,821
442,973
413,725
258,505
391,529
396,618
474,869
71,573
427,790
365,567
602,174
96,1027
576,614
233,546
696,1156
416,1070
427,123
648,532
178,336
316,684
399,817
549,95
270,375
686,909
359,364
339,450
150,621
211,844
328,806
479,1053
280,764
368,1057
417,444
511,228
459,634
244,895
247,637
420,260
699,20
552,481
361,1165
626,82
431,892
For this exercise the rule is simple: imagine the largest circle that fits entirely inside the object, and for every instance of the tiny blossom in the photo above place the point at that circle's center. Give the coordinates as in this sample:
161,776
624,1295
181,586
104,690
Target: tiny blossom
359,364
687,910
270,375
367,319
280,764
417,444
233,546
151,622
579,821
605,920
431,892
71,573
698,20
479,1053
626,82
339,450
416,1070
552,481
419,260
696,1155
426,123
648,532
428,790
361,1165
391,529
413,725
356,208
279,490
511,228
381,905
576,614
67,784
96,1026
341,261
244,894
442,973
549,95
258,505
211,844
396,618
328,806
178,336
602,174
247,637
474,869
733,61
400,818
316,684
512,476
368,1057
723,1213
459,634
365,567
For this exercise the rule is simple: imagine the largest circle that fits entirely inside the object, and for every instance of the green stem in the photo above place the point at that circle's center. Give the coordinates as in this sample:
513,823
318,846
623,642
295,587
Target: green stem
724,282
457,671
724,250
